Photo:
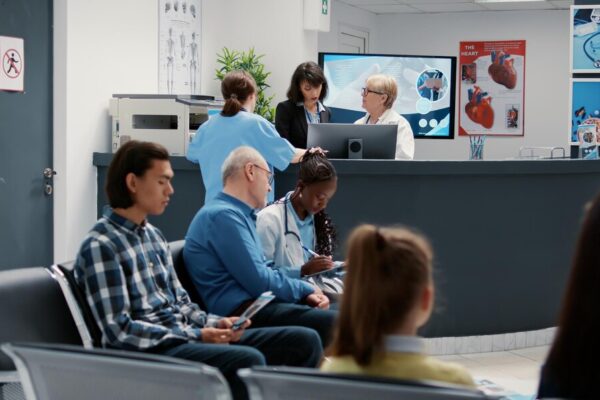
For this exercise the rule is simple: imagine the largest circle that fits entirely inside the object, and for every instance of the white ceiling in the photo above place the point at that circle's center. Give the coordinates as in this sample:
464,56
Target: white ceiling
448,6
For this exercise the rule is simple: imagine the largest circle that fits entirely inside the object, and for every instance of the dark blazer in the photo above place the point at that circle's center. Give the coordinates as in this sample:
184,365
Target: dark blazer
290,121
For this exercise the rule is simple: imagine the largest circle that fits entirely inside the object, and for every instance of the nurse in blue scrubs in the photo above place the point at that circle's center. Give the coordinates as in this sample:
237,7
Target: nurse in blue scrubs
236,126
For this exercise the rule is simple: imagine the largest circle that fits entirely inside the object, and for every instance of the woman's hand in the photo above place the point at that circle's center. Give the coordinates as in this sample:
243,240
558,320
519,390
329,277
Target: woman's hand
300,153
317,150
316,264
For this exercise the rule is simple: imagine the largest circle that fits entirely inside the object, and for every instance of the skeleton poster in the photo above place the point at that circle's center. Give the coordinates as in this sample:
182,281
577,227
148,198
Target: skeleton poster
179,41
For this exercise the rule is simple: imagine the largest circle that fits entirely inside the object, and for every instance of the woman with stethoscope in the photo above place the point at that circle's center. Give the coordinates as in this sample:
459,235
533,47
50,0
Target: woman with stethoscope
295,232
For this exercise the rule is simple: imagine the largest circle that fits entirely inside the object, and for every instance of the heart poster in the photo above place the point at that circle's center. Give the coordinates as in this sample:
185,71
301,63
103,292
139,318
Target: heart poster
492,88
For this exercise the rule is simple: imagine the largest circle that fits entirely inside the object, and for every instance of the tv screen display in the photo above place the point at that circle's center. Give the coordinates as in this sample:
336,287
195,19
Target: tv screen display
426,88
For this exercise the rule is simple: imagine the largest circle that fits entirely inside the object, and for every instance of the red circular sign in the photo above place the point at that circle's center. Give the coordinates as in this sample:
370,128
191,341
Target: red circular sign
12,63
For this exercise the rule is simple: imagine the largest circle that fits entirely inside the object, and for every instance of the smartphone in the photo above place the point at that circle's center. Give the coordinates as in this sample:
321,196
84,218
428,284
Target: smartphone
255,307
337,266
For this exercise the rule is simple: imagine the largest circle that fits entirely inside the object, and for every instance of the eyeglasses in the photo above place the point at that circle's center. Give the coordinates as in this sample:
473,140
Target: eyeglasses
365,91
269,173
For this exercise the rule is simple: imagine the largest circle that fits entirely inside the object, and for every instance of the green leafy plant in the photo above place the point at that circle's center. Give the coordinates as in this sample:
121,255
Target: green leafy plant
252,63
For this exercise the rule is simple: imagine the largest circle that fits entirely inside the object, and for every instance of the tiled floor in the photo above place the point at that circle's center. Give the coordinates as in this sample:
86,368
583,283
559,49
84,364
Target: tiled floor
515,370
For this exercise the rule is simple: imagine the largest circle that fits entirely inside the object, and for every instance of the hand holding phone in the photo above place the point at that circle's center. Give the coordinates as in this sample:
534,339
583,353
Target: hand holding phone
255,307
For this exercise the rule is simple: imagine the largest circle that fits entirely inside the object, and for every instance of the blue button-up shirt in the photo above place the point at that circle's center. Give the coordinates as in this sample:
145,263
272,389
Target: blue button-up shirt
130,284
224,257
220,135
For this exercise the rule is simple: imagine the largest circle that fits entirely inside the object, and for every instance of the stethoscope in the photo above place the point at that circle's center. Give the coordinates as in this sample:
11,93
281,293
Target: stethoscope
594,48
287,202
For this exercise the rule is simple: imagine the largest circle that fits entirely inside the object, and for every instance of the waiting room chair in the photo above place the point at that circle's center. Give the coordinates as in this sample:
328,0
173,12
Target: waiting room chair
287,383
32,308
51,372
88,328
182,273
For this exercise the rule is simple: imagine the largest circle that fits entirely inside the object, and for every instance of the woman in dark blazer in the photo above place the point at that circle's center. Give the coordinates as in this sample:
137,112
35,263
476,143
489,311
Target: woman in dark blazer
304,104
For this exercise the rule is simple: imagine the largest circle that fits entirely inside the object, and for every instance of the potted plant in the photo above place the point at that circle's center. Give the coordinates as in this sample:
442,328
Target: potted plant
250,62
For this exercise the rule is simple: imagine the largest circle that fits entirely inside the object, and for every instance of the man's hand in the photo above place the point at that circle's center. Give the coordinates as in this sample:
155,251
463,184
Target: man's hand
227,323
216,335
318,300
316,264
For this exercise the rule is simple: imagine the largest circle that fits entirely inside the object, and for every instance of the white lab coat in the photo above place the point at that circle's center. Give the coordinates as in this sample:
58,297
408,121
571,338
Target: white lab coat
405,141
285,250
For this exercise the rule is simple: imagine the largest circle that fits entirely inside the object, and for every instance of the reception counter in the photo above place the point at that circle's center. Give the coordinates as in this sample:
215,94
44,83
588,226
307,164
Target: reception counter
503,231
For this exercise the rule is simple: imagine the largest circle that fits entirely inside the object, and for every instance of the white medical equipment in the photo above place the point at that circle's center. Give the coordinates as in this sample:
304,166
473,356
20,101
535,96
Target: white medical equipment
170,120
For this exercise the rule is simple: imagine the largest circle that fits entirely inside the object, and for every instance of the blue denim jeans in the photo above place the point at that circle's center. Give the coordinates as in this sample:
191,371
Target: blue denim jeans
289,314
293,346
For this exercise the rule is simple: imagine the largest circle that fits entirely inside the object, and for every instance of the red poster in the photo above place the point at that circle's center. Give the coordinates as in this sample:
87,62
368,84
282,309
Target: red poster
492,88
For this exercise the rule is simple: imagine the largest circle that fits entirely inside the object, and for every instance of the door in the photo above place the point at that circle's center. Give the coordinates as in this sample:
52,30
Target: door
26,140
353,40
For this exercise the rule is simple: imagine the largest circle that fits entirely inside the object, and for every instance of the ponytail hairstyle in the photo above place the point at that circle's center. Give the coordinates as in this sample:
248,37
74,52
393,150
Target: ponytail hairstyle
387,270
316,168
236,87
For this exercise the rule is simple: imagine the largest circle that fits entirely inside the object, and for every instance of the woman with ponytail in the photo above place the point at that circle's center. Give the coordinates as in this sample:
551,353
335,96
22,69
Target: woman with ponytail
388,296
236,126
295,232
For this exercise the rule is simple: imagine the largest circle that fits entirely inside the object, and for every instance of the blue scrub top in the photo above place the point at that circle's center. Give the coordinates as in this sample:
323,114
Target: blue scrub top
220,135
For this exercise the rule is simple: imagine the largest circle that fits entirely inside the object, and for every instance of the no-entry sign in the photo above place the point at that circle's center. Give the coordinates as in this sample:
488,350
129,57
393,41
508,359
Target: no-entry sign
12,68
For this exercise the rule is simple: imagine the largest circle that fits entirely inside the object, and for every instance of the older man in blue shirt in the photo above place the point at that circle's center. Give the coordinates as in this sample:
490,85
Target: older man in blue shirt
224,255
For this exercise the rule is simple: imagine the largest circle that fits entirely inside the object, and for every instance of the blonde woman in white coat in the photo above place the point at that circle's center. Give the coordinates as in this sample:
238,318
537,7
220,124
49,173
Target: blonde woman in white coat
378,96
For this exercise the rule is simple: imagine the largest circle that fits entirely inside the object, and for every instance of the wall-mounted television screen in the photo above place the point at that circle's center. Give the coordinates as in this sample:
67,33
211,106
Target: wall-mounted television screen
426,88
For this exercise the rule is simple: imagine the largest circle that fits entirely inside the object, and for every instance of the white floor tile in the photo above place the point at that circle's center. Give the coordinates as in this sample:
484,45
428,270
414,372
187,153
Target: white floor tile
496,358
538,353
515,370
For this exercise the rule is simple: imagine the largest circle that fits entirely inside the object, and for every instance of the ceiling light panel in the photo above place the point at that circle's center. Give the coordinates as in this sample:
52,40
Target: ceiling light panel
518,6
389,9
449,7
369,2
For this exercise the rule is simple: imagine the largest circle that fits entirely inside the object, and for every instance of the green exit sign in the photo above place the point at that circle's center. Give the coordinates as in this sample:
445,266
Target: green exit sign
324,7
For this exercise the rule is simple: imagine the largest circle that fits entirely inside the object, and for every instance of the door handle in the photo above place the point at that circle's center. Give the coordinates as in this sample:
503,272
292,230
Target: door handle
48,176
49,173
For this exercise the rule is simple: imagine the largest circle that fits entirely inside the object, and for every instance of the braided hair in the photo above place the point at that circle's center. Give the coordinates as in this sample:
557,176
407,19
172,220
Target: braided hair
315,168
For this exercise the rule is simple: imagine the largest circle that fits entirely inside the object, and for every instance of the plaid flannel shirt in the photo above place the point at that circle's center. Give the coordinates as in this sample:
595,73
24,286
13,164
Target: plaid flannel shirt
130,284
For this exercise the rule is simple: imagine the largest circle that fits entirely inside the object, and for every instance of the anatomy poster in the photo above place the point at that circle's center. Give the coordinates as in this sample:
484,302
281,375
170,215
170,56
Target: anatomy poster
585,39
492,88
179,47
585,109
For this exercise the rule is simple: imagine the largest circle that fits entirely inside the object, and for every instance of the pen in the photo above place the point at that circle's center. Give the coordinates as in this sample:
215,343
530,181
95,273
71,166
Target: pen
312,253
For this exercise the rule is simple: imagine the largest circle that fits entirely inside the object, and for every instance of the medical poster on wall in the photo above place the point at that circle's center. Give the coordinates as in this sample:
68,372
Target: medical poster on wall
12,71
492,88
585,110
179,38
585,39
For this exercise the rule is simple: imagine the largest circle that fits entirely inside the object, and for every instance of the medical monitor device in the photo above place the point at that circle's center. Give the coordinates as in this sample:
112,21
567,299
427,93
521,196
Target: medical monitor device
426,88
354,141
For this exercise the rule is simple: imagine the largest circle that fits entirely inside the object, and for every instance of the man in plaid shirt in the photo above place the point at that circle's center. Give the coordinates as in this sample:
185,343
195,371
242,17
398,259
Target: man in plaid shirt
125,267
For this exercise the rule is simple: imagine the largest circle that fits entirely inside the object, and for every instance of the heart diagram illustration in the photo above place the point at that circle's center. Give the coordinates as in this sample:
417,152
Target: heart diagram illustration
502,71
479,108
